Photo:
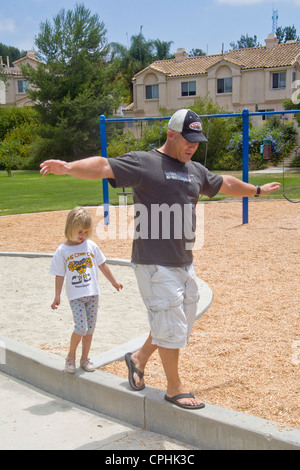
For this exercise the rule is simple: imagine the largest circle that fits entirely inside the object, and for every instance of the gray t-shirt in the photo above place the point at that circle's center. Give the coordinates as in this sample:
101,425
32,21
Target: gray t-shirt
165,194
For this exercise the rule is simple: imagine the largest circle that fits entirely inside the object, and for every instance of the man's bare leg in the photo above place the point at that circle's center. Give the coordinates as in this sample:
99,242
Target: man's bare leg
170,361
140,359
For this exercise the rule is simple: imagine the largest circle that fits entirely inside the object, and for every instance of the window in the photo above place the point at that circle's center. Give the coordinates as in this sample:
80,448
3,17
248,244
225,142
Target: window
265,117
23,86
224,85
151,92
188,89
279,80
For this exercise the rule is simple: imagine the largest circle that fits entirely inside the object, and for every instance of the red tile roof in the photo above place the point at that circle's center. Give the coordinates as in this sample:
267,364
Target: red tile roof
249,58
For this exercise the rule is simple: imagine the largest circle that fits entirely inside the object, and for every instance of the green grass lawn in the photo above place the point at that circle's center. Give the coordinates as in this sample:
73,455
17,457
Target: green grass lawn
28,191
291,183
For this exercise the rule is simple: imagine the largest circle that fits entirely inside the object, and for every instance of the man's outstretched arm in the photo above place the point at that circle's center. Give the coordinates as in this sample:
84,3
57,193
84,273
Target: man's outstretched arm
234,187
89,168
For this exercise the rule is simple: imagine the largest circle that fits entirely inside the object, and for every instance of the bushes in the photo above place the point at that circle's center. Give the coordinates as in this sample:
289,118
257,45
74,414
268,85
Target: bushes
218,131
281,135
19,138
145,136
11,118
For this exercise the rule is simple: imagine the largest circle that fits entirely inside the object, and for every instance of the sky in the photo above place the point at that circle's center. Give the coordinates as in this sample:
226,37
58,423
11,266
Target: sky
202,24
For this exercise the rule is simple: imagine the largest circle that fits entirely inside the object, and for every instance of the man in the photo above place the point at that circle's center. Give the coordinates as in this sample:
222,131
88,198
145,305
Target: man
164,179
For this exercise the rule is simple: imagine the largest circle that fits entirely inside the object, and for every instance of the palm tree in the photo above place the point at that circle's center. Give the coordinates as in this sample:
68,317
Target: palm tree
162,49
130,60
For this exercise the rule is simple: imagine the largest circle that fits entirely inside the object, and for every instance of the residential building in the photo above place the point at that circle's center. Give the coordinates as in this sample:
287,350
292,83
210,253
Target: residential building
257,78
13,91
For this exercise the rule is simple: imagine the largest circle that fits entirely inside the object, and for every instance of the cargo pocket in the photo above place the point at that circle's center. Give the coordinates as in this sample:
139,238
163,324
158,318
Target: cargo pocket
166,319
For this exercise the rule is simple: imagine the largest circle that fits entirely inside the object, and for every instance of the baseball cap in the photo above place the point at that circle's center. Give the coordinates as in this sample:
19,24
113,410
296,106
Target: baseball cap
188,124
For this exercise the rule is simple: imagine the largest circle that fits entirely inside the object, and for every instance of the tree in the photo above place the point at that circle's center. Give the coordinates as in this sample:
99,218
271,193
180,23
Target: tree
130,60
244,42
288,33
293,104
18,137
196,53
12,52
162,49
218,131
72,85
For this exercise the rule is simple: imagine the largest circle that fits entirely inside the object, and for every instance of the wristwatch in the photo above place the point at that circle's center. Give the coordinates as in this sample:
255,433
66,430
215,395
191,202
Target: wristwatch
257,190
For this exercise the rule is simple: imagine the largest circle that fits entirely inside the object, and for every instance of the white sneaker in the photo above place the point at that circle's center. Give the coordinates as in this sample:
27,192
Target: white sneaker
70,365
87,365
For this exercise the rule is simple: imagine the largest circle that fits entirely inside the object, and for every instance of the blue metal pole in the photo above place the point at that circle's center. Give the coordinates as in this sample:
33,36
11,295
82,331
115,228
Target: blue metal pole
104,182
245,163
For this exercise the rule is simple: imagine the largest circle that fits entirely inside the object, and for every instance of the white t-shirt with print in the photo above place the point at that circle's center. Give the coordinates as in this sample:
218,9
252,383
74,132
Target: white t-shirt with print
79,265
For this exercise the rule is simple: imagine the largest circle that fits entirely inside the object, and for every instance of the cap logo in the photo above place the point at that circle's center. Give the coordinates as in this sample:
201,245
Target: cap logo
196,126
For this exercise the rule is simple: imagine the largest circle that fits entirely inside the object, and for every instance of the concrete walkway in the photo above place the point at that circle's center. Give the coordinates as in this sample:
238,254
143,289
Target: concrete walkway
31,419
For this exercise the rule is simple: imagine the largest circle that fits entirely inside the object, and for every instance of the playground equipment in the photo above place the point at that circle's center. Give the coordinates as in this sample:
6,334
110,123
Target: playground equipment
245,115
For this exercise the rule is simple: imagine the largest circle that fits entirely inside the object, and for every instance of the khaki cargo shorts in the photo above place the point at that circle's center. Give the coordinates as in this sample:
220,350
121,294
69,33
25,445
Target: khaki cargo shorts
171,297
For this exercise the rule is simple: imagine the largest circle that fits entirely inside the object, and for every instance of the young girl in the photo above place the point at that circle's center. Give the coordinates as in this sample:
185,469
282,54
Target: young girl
77,260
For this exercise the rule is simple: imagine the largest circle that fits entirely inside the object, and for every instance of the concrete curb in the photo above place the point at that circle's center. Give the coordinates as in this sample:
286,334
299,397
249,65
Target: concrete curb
211,428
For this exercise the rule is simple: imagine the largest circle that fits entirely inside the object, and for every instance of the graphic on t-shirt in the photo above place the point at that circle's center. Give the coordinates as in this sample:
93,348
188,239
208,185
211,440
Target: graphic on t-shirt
180,176
81,267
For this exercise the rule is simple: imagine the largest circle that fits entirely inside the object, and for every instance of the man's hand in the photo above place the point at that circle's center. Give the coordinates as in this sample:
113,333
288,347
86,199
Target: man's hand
56,167
269,188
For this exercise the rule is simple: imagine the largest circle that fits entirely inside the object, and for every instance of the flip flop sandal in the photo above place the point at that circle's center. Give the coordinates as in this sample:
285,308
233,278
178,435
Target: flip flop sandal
133,370
175,401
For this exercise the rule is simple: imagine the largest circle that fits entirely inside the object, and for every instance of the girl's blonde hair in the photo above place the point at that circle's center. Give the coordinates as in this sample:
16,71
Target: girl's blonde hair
79,218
